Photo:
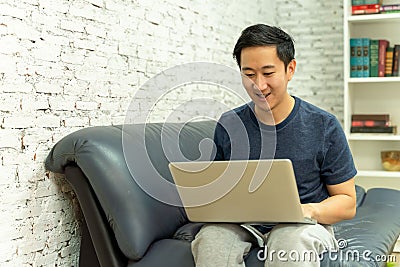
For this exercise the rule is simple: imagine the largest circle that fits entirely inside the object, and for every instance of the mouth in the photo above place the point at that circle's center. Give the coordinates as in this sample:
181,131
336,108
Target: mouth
260,95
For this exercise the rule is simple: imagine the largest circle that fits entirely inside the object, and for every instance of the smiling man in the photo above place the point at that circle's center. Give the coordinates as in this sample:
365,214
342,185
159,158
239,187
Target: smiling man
279,125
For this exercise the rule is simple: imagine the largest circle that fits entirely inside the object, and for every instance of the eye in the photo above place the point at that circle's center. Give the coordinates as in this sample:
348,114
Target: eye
268,73
250,75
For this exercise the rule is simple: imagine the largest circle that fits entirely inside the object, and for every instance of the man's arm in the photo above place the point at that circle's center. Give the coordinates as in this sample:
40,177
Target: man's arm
341,205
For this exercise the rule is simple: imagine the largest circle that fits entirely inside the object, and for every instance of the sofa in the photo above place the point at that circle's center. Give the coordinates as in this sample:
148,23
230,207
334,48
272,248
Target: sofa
124,225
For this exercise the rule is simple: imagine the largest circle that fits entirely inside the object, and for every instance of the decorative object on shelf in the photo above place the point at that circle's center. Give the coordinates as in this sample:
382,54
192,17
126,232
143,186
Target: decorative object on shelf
391,160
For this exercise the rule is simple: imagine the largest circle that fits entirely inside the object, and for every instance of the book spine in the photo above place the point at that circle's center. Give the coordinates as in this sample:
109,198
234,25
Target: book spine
374,58
383,44
386,8
369,123
391,11
356,57
365,9
374,129
370,117
389,62
357,2
366,57
396,61
372,2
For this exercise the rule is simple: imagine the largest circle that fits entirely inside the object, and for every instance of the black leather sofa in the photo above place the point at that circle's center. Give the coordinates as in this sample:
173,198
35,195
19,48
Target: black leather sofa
124,226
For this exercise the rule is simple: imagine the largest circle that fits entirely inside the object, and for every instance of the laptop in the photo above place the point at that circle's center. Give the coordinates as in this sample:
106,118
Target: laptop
239,191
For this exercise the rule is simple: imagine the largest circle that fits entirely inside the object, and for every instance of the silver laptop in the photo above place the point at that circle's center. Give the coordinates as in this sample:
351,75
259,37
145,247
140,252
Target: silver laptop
239,191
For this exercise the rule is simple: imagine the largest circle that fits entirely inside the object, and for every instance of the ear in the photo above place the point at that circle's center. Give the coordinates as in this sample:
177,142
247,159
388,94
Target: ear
291,68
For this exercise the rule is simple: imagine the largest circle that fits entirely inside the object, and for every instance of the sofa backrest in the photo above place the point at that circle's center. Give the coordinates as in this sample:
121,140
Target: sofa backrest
105,155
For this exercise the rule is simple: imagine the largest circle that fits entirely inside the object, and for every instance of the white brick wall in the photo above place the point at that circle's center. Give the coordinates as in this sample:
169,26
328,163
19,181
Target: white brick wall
65,65
318,32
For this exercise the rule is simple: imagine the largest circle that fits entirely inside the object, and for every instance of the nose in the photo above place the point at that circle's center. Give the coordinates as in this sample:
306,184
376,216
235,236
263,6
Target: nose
261,82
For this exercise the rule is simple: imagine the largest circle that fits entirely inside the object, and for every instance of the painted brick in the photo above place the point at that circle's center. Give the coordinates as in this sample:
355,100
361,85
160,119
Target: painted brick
7,63
23,30
8,10
95,30
47,52
9,44
73,26
10,138
29,104
47,120
47,87
62,103
18,121
76,122
86,105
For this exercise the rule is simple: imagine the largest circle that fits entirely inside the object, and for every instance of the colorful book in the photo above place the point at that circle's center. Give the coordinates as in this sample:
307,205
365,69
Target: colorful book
396,61
372,2
357,2
383,45
356,58
390,8
389,62
373,58
371,117
369,123
375,129
366,57
365,9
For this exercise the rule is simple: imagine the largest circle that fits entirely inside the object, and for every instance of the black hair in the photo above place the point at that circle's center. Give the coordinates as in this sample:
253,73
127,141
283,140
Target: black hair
265,35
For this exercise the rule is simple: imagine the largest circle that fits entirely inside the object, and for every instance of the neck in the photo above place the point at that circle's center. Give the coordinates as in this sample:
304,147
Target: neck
276,114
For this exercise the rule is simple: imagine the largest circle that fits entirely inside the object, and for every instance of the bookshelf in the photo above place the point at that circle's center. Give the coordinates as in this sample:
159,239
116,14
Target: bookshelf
371,95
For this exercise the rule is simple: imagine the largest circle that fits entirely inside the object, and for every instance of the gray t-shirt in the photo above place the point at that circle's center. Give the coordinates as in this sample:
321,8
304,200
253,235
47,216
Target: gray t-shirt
310,137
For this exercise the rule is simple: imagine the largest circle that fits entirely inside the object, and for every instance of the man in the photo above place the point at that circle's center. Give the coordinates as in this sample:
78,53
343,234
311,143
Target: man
310,137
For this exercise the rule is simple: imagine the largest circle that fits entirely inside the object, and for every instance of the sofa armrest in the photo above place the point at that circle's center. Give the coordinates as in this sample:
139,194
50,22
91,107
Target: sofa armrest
136,217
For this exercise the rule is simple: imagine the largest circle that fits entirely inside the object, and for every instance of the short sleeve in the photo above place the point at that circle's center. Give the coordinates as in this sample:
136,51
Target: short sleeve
338,165
221,142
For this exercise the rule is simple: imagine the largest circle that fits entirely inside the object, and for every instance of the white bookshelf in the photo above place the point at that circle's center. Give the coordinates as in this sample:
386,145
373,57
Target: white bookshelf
371,95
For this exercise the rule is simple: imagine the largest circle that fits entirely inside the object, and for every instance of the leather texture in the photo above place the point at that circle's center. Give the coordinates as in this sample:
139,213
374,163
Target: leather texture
128,227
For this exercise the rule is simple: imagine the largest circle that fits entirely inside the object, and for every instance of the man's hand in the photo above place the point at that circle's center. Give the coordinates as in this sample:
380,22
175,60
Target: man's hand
341,205
309,210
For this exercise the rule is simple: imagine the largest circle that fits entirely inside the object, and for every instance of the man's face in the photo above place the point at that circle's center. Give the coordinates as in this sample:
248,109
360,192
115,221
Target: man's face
264,76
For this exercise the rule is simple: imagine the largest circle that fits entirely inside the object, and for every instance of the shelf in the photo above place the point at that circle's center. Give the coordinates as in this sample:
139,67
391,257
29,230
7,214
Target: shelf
376,174
373,137
374,18
374,80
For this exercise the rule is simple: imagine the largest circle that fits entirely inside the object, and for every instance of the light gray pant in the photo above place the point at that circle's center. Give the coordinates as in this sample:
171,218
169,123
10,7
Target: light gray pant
287,244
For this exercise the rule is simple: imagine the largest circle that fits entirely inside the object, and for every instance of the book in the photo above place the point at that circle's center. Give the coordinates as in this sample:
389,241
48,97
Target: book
370,117
372,2
374,129
356,57
369,123
396,61
383,44
357,2
373,58
365,9
366,57
389,8
389,62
